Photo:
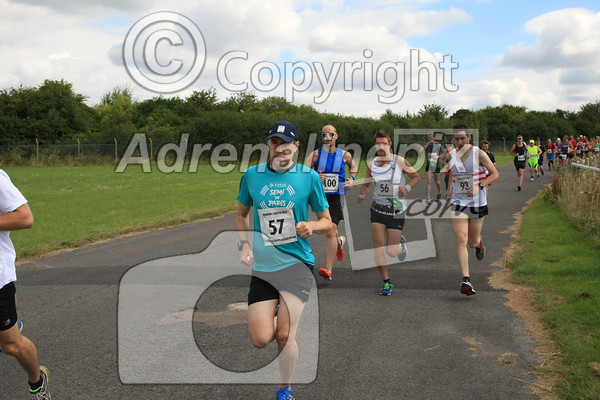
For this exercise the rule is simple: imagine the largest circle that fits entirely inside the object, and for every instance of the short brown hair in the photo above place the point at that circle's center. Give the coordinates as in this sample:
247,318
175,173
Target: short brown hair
485,142
460,127
382,134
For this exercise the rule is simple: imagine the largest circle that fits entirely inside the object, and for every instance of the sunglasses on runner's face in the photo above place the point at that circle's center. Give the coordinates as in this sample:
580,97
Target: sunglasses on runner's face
330,134
460,137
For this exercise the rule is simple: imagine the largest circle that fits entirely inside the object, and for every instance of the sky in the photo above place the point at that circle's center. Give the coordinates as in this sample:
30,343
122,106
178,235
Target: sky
354,57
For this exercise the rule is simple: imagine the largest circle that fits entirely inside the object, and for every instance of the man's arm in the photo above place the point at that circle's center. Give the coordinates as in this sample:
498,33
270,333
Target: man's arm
313,158
353,170
307,228
364,189
487,163
242,225
408,169
21,218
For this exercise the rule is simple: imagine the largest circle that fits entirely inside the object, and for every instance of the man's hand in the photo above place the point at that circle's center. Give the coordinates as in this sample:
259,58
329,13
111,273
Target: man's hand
304,229
246,257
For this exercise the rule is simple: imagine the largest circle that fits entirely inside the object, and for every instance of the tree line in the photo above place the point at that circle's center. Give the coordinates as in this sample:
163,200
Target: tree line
54,114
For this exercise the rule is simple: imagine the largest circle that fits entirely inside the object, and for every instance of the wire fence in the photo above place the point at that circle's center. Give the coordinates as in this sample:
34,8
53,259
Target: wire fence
38,153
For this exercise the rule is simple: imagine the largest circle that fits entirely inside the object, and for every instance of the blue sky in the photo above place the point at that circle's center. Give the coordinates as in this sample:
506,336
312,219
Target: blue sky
554,64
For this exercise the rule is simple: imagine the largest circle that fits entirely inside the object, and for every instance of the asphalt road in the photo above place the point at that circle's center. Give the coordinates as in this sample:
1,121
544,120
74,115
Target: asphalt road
161,315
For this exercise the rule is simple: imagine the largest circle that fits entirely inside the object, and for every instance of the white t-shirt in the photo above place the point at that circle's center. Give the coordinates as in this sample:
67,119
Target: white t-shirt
10,200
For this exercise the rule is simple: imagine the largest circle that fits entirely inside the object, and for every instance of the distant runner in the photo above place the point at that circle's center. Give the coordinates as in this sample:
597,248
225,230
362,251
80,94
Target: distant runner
519,150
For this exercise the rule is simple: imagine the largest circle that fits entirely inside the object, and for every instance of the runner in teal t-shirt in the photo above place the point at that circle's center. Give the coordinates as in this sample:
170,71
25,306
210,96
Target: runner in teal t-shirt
280,193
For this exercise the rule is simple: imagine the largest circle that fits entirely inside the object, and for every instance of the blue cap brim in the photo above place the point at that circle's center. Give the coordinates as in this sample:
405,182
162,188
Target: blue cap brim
286,138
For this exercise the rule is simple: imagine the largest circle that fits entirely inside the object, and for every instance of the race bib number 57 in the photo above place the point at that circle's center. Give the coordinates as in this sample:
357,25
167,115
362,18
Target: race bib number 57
277,226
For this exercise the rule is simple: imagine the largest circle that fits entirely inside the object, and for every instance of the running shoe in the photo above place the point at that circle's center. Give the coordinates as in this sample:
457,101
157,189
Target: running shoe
439,196
532,178
340,249
519,188
42,393
20,325
404,251
325,273
428,200
480,250
466,288
386,290
285,394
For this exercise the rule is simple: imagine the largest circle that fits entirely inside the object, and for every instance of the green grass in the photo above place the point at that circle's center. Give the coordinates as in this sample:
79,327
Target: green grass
561,263
75,205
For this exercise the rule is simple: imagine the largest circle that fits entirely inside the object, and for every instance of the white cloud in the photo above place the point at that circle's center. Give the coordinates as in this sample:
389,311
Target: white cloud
81,42
566,39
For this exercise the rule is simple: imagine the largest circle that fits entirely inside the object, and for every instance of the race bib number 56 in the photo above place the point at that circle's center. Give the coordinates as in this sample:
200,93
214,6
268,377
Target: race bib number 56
384,189
277,226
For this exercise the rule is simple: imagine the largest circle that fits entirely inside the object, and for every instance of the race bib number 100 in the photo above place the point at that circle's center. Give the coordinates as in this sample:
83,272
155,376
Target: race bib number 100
330,184
277,226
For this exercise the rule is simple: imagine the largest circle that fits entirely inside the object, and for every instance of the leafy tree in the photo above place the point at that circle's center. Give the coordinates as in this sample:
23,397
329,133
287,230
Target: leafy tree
51,113
116,116
432,115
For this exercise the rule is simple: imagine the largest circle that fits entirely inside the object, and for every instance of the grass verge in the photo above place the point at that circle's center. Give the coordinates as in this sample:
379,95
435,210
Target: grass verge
561,264
76,205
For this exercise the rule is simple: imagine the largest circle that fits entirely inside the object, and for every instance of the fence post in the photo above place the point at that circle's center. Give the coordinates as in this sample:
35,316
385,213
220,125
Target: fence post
78,149
150,149
116,153
504,145
37,151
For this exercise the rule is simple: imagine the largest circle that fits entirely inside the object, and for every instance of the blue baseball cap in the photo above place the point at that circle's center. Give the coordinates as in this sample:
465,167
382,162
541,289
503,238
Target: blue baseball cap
284,130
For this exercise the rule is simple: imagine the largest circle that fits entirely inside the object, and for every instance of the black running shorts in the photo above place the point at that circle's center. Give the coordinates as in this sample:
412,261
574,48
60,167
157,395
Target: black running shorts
335,208
8,306
390,221
519,165
471,212
433,168
296,279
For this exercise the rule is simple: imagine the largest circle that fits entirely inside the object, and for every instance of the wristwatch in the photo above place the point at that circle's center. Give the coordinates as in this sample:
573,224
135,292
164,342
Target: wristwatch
481,186
241,243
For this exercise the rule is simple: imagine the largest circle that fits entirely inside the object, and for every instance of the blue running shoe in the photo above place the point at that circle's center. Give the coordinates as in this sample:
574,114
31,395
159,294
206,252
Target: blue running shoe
285,394
387,288
20,325
404,251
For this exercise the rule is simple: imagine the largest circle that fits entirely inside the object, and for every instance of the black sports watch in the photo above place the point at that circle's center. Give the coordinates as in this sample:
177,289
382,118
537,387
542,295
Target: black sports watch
481,186
241,243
